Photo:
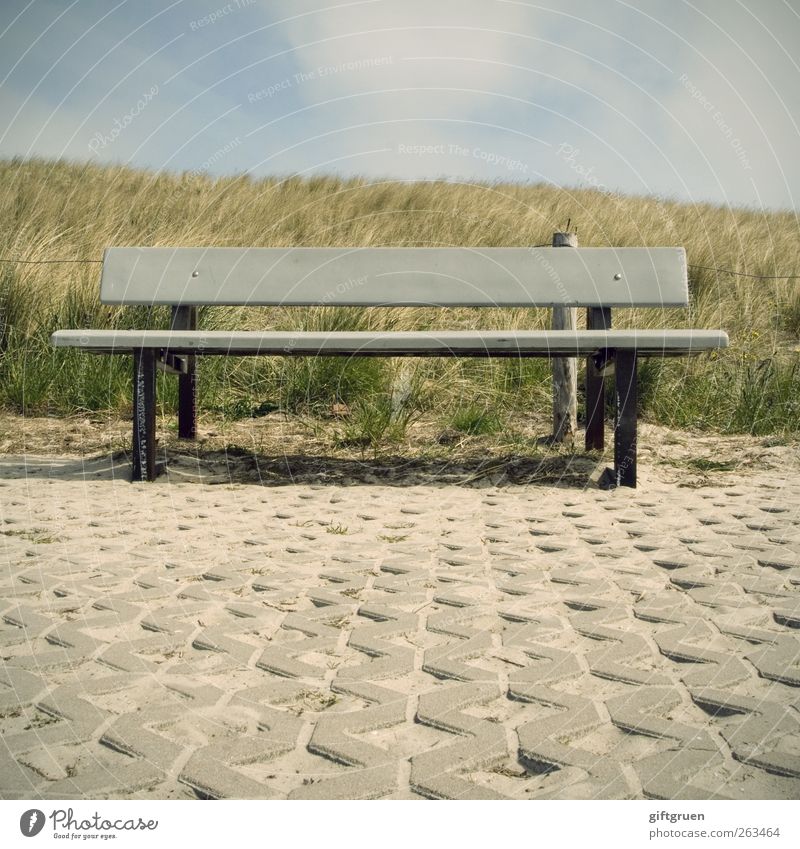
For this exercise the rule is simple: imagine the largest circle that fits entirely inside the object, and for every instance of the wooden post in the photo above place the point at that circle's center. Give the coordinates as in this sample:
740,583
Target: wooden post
597,318
144,415
185,318
626,419
565,369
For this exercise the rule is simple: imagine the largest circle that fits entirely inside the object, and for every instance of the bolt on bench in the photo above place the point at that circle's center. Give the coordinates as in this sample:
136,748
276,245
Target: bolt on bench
597,278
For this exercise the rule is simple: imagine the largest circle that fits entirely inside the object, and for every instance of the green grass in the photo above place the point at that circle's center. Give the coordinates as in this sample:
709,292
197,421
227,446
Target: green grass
476,421
57,209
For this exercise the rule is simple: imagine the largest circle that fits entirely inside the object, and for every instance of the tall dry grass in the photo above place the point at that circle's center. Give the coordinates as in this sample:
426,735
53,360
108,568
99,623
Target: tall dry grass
73,211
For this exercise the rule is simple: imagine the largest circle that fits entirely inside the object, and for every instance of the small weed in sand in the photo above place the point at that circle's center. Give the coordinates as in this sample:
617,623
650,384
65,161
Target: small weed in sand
40,719
168,655
387,538
314,700
342,530
515,771
703,464
36,536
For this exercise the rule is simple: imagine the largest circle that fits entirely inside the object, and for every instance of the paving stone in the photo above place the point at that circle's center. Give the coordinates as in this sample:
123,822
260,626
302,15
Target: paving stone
367,783
670,774
128,734
779,558
645,711
510,646
217,640
615,658
332,737
19,687
542,746
447,661
121,781
437,773
780,661
17,781
211,779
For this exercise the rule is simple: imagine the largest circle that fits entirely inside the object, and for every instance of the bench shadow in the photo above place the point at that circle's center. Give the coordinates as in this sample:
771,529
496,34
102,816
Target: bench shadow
218,467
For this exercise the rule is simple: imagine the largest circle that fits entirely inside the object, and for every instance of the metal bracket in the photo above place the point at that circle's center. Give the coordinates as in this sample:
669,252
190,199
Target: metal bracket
172,364
603,361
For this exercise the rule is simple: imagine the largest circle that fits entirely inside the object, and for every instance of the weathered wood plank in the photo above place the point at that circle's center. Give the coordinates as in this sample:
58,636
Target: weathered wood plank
565,369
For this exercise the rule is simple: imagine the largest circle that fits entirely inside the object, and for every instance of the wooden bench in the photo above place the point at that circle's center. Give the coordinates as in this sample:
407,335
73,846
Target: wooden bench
597,278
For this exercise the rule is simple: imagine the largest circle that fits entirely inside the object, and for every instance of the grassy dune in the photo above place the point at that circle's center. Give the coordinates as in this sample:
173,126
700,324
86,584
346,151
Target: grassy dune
56,209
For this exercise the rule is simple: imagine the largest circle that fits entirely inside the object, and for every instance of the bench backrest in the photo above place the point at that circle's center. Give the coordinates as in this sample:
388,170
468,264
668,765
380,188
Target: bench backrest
467,277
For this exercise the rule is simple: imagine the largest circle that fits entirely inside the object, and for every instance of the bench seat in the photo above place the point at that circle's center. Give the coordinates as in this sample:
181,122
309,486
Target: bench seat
460,343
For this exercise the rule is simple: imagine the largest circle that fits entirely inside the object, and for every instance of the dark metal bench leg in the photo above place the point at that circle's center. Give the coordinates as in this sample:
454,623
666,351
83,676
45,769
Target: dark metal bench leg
187,401
144,415
185,318
597,318
626,419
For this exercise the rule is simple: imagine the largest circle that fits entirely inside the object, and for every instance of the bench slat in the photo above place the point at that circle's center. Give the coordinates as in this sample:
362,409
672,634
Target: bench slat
522,277
403,343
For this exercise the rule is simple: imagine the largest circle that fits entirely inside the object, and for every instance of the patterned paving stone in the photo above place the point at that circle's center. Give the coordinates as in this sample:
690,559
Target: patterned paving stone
369,641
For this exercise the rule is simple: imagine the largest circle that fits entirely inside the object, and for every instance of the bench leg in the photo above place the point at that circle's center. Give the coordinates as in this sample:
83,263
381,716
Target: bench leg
597,318
626,417
595,412
185,318
187,401
144,415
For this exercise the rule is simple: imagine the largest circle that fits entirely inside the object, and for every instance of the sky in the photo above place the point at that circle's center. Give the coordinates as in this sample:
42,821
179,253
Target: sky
693,101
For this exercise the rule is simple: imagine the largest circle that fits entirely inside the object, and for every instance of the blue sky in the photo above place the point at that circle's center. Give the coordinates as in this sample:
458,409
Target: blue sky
694,101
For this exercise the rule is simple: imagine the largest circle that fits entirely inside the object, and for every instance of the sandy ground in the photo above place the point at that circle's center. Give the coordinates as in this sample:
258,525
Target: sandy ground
468,625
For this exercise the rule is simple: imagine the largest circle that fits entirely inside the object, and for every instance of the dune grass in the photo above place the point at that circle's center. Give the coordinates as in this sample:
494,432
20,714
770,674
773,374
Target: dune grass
70,211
